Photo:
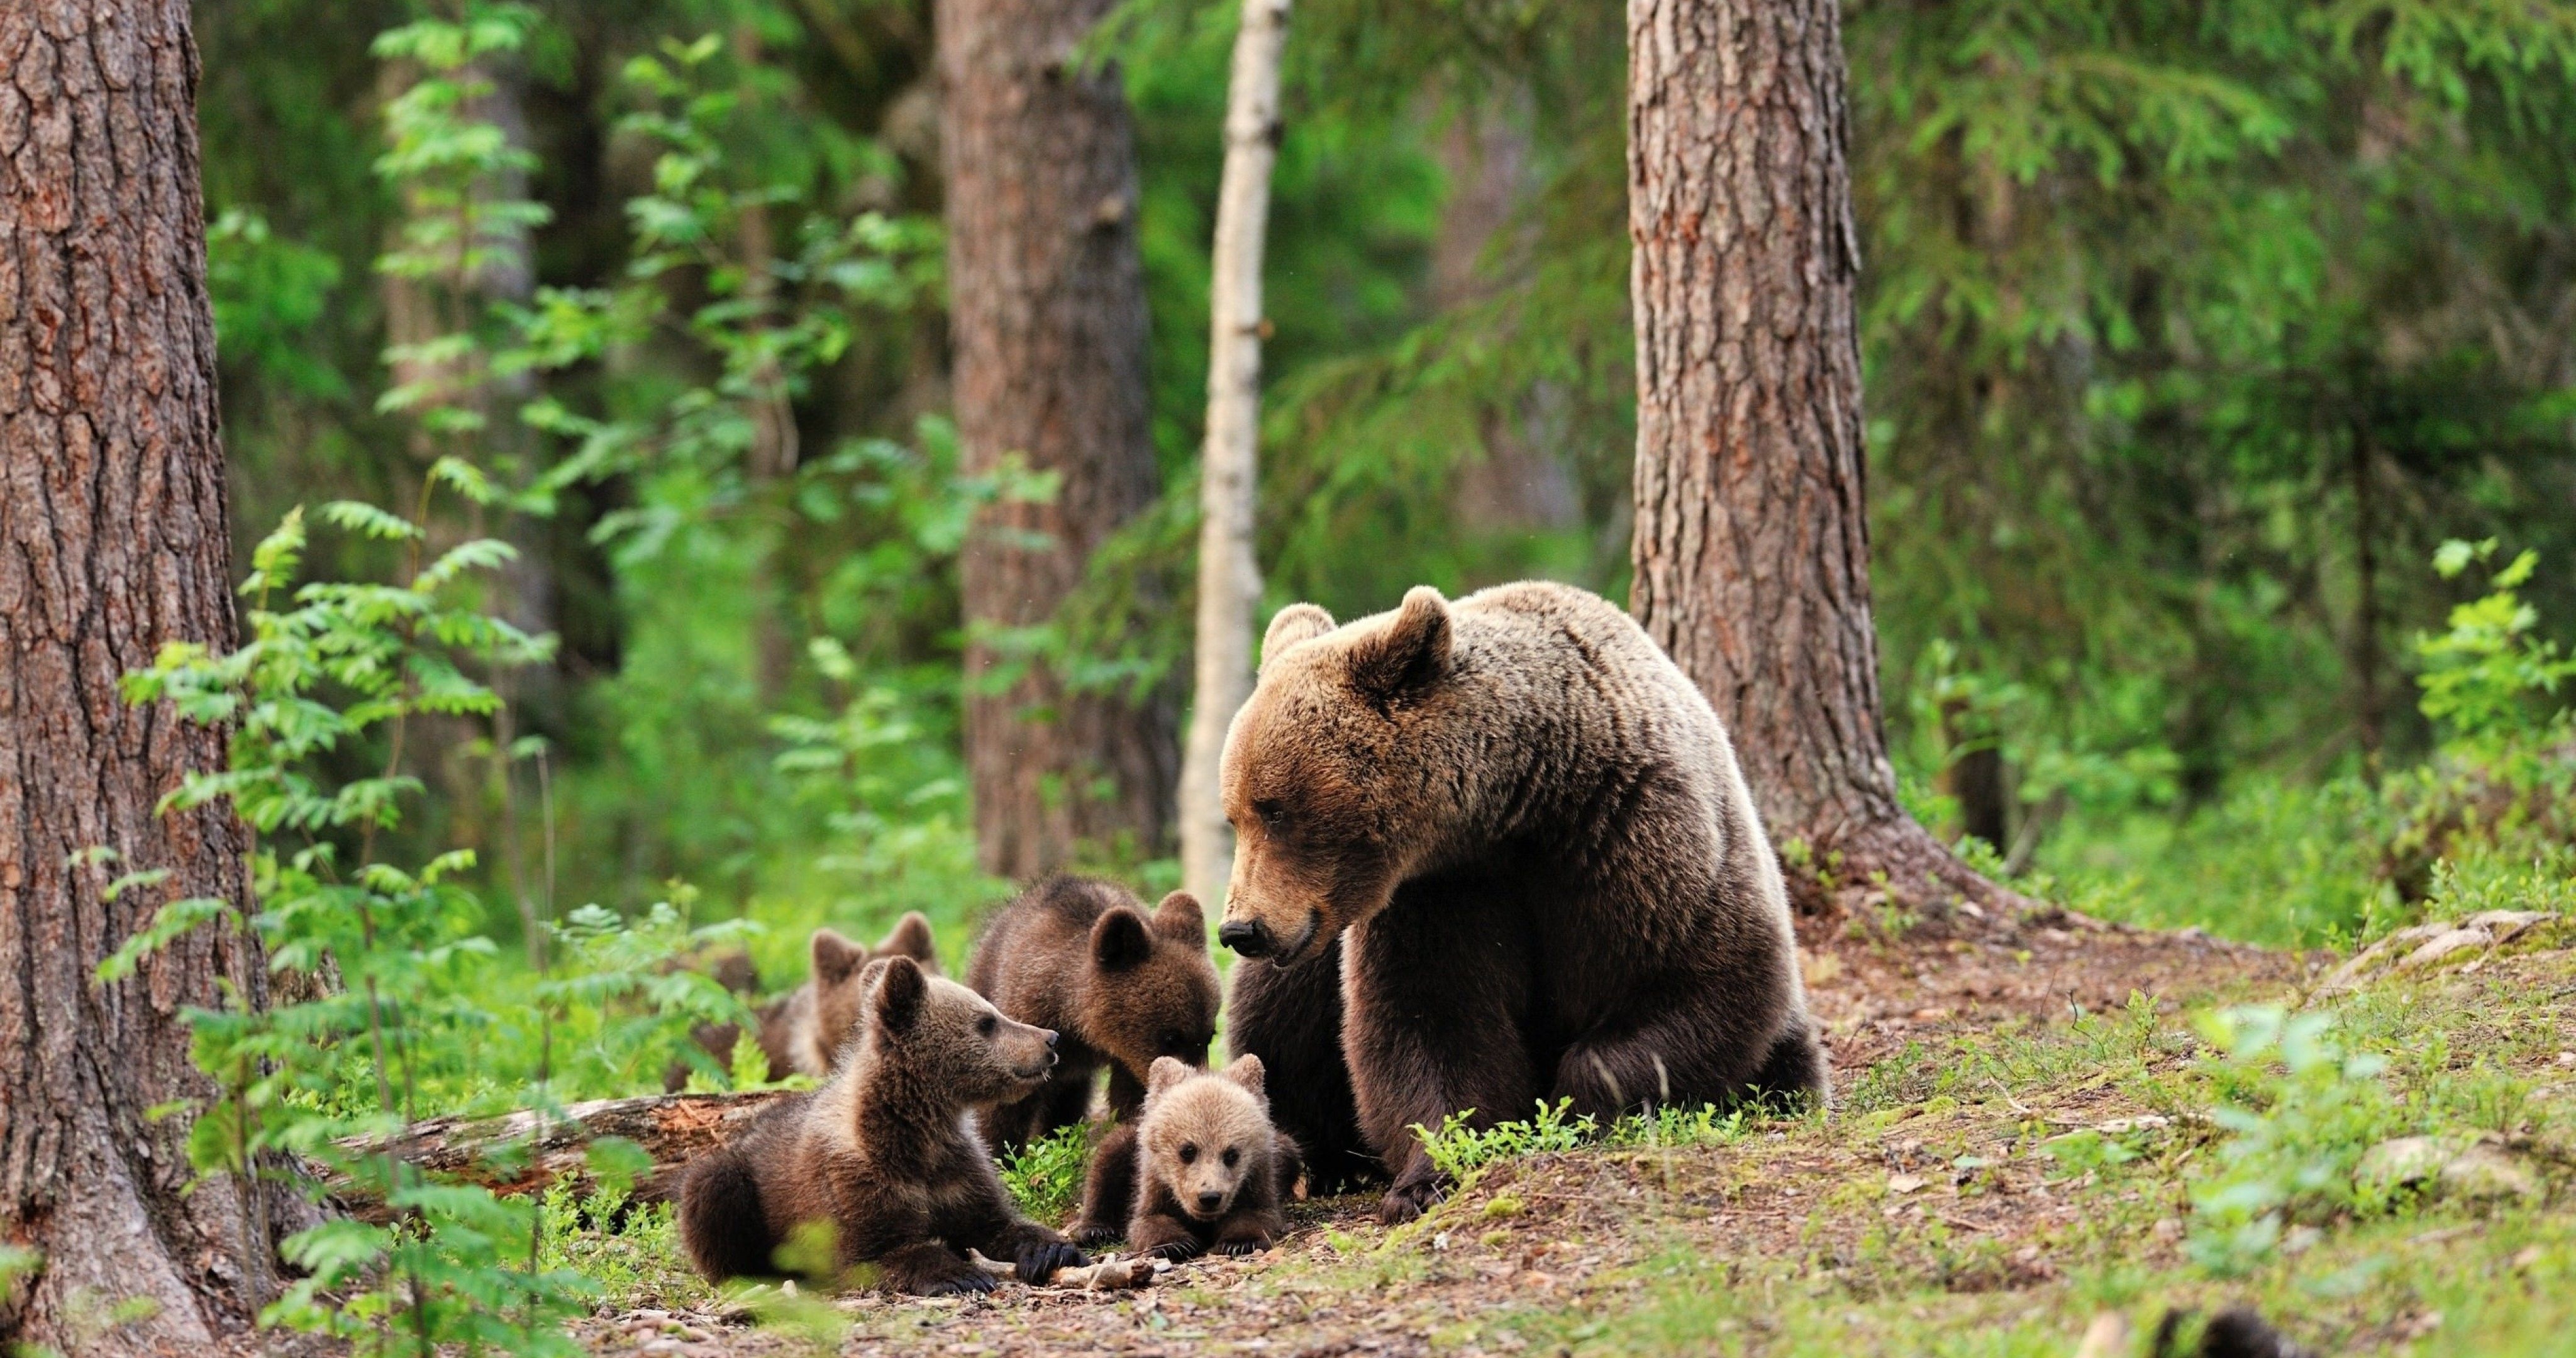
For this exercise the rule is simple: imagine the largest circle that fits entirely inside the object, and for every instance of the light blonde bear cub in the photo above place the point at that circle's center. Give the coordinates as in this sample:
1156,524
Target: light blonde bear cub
1210,1169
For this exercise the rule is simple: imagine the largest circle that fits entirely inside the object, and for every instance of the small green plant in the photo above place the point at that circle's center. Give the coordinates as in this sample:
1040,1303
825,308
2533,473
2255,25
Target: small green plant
2488,679
2299,1112
1458,1148
1045,1176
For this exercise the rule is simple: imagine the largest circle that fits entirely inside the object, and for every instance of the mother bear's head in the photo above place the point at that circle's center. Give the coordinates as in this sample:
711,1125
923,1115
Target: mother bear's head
1344,773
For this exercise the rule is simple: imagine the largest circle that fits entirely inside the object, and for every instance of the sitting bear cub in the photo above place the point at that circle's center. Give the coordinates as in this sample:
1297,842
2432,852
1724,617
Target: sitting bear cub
881,1153
1526,829
1210,1170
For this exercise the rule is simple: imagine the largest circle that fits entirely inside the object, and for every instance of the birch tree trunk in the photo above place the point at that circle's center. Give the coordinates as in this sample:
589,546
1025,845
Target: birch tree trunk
113,544
1229,462
1047,320
1752,536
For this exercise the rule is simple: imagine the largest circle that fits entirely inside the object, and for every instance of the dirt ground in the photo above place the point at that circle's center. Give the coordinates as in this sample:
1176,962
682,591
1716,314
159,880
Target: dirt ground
1568,1231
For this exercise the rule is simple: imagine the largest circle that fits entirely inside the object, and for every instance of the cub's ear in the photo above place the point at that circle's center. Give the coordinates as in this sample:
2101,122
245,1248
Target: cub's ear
1290,625
911,938
900,991
1407,656
1121,939
1166,1072
836,959
1179,920
1246,1070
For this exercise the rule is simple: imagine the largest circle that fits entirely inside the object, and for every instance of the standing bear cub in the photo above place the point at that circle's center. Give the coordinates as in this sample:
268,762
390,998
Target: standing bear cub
1210,1170
880,1154
1527,831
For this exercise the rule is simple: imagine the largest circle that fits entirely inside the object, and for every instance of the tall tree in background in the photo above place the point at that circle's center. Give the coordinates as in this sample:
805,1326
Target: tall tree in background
1047,320
1752,530
1229,573
112,545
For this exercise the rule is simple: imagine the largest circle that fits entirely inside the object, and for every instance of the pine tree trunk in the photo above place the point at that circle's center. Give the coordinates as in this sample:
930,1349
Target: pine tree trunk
1752,535
1229,464
112,545
1047,317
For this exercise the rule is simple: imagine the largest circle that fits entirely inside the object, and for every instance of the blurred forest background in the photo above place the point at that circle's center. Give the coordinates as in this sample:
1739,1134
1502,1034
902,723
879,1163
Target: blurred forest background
2192,330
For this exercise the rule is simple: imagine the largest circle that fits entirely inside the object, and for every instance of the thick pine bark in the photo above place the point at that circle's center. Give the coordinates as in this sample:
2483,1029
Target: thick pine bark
112,545
1752,536
1229,461
1047,312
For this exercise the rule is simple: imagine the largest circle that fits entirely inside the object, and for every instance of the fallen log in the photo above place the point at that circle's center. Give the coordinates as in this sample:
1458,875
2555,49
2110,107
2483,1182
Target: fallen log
672,1129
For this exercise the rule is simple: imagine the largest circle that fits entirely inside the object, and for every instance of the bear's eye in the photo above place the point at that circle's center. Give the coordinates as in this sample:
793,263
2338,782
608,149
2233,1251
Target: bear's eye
1175,1041
1189,1152
1231,1156
1274,815
988,1025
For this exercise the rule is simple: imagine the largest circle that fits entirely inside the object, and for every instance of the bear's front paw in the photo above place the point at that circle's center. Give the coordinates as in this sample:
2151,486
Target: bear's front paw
1240,1248
1041,1258
1176,1250
1410,1198
958,1284
1096,1233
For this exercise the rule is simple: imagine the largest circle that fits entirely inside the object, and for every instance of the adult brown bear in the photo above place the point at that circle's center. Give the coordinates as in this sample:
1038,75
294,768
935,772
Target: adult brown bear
1528,831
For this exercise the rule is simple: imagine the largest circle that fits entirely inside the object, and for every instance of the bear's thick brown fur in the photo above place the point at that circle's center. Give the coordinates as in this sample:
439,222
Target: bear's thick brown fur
1080,956
1210,1169
881,1154
1528,830
802,1032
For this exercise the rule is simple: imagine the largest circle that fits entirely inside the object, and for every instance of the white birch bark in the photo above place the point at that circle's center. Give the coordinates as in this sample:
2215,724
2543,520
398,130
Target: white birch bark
1229,576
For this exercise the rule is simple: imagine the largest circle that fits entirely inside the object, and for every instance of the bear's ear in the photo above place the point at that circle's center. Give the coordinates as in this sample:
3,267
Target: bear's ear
1290,625
1121,939
900,991
1179,920
1247,1071
1166,1072
836,959
1409,655
911,938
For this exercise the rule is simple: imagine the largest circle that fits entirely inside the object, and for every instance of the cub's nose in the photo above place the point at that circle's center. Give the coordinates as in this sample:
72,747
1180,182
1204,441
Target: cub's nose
1247,940
1209,1202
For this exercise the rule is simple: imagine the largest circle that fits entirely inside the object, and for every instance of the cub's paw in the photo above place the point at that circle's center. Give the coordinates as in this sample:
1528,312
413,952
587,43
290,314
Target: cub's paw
1410,1198
1040,1259
957,1285
1096,1233
1176,1250
1250,1245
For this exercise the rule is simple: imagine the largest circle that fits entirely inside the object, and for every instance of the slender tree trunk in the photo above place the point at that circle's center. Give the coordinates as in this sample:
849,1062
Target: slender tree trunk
112,545
2369,717
1752,540
1229,572
1047,316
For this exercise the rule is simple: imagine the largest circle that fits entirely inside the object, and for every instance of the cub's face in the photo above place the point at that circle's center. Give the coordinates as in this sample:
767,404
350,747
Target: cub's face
1151,991
954,1036
1326,772
1204,1136
840,995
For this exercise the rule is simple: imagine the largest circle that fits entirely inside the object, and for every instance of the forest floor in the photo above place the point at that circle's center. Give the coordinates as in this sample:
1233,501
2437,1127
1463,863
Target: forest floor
2022,1112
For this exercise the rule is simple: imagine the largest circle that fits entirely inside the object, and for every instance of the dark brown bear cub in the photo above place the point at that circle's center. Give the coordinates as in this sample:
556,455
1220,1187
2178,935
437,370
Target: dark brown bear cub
1079,956
1527,830
1210,1170
802,1032
881,1153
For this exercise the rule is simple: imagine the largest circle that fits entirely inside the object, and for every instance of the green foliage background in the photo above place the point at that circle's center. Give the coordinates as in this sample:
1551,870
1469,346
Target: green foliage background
2180,318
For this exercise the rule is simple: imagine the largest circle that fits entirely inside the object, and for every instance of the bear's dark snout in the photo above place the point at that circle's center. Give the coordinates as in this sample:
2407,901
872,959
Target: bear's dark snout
1247,940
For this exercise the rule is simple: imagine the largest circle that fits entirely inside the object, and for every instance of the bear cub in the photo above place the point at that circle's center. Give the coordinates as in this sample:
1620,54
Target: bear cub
1210,1169
1080,956
881,1152
802,1032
